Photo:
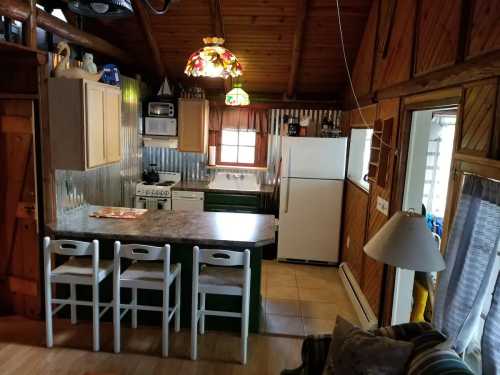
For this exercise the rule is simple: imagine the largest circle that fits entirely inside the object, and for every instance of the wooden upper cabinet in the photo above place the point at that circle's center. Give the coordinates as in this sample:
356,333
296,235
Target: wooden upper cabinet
112,119
394,50
94,125
438,33
85,123
478,118
193,125
484,34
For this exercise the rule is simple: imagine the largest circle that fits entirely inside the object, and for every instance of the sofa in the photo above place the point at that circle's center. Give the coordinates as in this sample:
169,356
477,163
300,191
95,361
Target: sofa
427,357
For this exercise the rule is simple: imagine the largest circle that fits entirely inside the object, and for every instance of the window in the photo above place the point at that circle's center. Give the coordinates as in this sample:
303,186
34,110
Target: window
359,156
237,147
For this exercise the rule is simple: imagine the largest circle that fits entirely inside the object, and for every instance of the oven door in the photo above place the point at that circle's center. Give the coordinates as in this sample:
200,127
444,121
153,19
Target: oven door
152,203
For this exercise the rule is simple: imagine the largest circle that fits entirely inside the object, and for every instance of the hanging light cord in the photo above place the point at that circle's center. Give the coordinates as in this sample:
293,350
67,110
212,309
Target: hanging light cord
365,123
161,11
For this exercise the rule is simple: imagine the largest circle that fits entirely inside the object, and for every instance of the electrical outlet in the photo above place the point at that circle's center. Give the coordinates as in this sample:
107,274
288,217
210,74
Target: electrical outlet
383,206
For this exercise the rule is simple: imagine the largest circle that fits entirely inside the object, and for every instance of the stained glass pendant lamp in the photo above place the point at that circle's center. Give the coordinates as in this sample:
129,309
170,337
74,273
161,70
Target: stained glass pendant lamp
213,60
237,96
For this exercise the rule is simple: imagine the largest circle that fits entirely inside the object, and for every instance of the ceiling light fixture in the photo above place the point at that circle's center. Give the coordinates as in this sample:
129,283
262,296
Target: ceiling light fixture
112,8
101,8
213,60
237,96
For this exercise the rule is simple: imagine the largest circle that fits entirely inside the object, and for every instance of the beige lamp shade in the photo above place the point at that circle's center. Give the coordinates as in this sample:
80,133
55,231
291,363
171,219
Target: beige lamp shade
406,242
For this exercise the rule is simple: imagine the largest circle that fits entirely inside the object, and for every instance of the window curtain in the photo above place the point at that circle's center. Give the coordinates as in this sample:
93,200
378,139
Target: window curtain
242,118
490,343
470,256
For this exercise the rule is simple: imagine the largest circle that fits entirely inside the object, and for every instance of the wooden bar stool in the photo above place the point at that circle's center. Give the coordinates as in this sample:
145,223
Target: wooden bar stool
146,275
78,270
220,277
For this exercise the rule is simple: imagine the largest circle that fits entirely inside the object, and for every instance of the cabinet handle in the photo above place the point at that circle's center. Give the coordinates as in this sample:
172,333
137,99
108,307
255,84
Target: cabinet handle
288,180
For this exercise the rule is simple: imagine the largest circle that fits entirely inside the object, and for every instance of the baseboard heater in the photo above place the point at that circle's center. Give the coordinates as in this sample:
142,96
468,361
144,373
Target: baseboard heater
365,313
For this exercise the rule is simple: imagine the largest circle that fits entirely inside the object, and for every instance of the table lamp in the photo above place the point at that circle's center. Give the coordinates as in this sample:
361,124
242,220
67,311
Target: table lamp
406,242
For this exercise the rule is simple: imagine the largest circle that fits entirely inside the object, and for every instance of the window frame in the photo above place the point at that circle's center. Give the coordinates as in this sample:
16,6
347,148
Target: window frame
258,140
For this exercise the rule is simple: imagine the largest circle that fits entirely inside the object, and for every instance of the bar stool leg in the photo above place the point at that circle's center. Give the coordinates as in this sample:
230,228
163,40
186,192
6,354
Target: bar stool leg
134,309
194,324
178,302
202,313
48,293
48,314
165,311
244,324
72,297
116,316
95,312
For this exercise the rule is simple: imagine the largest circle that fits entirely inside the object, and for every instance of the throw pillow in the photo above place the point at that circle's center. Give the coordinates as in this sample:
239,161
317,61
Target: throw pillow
354,351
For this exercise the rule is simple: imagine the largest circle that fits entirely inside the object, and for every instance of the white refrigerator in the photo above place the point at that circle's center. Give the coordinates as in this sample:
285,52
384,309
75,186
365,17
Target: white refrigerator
312,184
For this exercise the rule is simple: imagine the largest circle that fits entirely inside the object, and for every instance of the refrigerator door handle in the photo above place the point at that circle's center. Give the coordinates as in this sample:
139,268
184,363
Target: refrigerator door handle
288,180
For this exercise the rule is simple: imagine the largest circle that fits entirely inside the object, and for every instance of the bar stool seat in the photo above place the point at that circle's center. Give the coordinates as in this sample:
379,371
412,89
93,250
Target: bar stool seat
75,268
82,268
148,275
150,269
219,272
221,276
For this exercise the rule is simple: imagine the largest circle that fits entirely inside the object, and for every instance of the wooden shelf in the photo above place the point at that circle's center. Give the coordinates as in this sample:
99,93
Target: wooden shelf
380,152
9,49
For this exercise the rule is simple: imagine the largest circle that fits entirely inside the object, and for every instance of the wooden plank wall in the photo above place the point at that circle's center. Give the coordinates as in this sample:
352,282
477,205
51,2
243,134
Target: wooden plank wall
419,47
353,230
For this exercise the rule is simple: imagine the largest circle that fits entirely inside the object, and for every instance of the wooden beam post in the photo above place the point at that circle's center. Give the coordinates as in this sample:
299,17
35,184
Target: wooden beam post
29,26
297,46
19,10
145,23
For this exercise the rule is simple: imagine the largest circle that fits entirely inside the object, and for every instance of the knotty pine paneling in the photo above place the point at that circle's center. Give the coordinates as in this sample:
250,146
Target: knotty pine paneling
372,280
478,117
395,43
369,113
353,234
363,69
484,35
438,31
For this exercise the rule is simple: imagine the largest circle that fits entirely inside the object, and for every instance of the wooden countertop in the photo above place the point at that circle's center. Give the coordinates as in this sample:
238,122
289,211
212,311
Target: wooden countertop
160,226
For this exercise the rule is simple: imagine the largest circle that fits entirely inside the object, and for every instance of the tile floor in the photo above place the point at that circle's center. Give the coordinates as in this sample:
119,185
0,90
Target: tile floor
299,300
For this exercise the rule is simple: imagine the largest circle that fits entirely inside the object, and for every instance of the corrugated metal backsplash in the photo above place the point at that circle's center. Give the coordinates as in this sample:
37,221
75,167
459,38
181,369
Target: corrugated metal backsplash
112,185
193,166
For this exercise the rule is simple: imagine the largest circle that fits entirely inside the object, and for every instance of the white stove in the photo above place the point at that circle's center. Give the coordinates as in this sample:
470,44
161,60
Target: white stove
156,195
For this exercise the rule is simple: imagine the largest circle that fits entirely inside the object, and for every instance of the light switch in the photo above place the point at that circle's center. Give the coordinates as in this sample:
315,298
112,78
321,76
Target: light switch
383,206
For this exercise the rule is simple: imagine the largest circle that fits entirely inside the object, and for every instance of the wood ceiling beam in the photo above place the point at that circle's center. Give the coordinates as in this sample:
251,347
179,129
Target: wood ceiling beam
20,10
297,46
145,24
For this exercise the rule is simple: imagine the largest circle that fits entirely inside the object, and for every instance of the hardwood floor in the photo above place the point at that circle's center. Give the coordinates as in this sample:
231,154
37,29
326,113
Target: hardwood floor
22,351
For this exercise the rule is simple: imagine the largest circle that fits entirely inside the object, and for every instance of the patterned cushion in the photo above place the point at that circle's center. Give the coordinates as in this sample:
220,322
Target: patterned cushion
354,351
405,331
435,361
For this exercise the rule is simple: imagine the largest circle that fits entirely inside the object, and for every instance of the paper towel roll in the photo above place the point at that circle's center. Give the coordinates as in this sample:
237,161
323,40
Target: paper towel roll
212,155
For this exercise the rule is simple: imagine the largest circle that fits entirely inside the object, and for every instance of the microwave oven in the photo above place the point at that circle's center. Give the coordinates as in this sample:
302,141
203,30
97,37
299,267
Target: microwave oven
160,126
161,109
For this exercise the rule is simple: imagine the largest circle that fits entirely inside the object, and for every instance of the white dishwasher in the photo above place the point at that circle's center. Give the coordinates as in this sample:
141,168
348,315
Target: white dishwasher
183,200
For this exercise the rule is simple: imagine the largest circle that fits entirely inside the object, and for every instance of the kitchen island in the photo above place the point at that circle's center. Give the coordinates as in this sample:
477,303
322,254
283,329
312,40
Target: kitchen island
182,230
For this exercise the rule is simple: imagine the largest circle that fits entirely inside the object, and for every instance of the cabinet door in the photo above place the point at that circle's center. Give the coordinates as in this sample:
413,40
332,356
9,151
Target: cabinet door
112,124
193,125
94,112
